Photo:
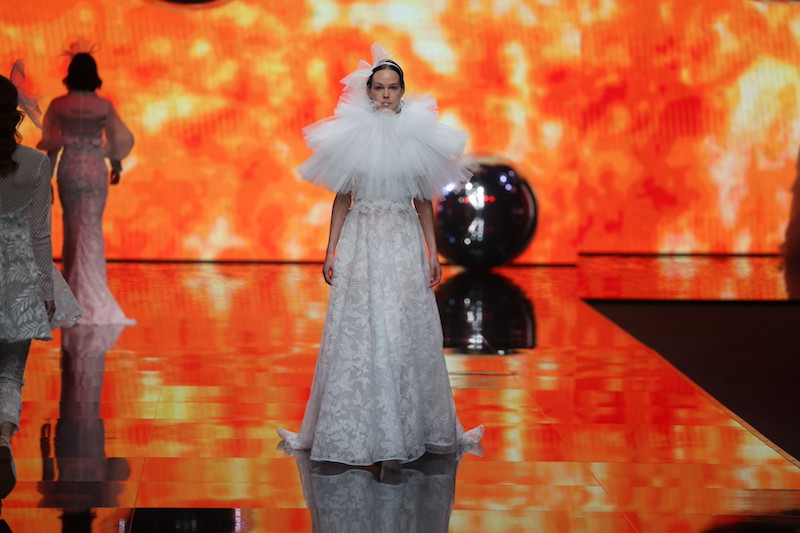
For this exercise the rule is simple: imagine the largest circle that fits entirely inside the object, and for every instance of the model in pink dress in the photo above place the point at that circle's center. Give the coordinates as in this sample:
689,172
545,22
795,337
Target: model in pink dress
86,130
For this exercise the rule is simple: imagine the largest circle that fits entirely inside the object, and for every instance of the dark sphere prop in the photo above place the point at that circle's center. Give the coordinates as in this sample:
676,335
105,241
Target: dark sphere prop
490,221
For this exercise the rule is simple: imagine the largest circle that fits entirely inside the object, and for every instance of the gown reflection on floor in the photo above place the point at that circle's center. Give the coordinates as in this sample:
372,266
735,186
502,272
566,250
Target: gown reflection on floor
415,498
76,474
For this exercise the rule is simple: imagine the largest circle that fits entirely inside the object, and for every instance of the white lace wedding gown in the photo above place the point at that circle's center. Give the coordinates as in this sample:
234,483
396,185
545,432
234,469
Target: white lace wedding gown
27,274
381,390
88,129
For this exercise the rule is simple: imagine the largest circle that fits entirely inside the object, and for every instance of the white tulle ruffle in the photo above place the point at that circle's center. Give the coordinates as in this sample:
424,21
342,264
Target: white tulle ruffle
383,155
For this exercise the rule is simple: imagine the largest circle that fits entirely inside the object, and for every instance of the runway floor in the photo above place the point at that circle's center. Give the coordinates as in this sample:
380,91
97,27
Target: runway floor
170,425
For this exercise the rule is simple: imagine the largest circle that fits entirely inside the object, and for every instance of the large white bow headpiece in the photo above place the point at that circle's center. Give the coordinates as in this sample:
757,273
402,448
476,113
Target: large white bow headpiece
365,69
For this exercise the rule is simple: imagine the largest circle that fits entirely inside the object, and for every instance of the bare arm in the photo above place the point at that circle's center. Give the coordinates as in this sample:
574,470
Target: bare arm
425,211
341,204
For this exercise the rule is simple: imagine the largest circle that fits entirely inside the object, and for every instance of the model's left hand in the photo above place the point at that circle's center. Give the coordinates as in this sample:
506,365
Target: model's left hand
327,268
435,271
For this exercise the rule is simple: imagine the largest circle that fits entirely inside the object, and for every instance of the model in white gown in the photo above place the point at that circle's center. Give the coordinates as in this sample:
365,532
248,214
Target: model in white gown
88,130
34,299
28,276
381,390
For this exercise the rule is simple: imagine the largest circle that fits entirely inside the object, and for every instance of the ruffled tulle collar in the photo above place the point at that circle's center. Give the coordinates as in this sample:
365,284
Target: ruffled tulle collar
383,155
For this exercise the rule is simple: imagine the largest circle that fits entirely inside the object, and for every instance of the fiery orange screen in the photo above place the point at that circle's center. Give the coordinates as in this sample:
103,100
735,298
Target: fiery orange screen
643,126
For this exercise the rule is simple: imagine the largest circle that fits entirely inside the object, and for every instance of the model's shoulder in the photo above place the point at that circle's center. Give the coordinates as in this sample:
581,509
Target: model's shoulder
54,104
59,99
31,158
29,154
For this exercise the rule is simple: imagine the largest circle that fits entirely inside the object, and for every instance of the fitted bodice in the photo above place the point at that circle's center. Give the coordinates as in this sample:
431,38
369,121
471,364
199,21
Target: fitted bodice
372,206
82,120
82,115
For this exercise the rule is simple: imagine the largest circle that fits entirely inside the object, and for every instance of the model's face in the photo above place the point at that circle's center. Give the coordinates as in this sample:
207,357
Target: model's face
386,90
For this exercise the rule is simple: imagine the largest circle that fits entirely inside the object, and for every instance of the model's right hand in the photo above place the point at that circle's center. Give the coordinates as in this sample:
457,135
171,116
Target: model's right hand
435,271
116,171
327,269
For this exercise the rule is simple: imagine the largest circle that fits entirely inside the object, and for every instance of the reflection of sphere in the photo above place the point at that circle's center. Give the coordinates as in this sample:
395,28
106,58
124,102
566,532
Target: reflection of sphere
490,221
485,312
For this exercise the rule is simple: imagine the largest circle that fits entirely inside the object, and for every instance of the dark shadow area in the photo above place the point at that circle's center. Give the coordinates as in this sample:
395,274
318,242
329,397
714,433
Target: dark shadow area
786,522
186,520
745,354
791,243
791,276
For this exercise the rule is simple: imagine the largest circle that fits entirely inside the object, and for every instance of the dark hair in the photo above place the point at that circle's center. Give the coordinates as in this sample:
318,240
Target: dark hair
82,74
386,65
10,117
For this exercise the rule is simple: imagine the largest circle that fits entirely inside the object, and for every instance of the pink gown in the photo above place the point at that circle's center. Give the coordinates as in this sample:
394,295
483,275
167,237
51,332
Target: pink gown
88,130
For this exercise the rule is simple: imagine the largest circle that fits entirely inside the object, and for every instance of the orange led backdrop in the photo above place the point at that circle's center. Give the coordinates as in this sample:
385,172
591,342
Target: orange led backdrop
665,126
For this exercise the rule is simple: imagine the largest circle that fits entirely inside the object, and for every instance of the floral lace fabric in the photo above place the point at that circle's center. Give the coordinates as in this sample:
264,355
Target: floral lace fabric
381,390
27,274
83,189
22,313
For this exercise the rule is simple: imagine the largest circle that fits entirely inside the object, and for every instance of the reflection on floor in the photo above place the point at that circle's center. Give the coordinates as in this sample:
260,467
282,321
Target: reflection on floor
743,354
172,422
714,278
